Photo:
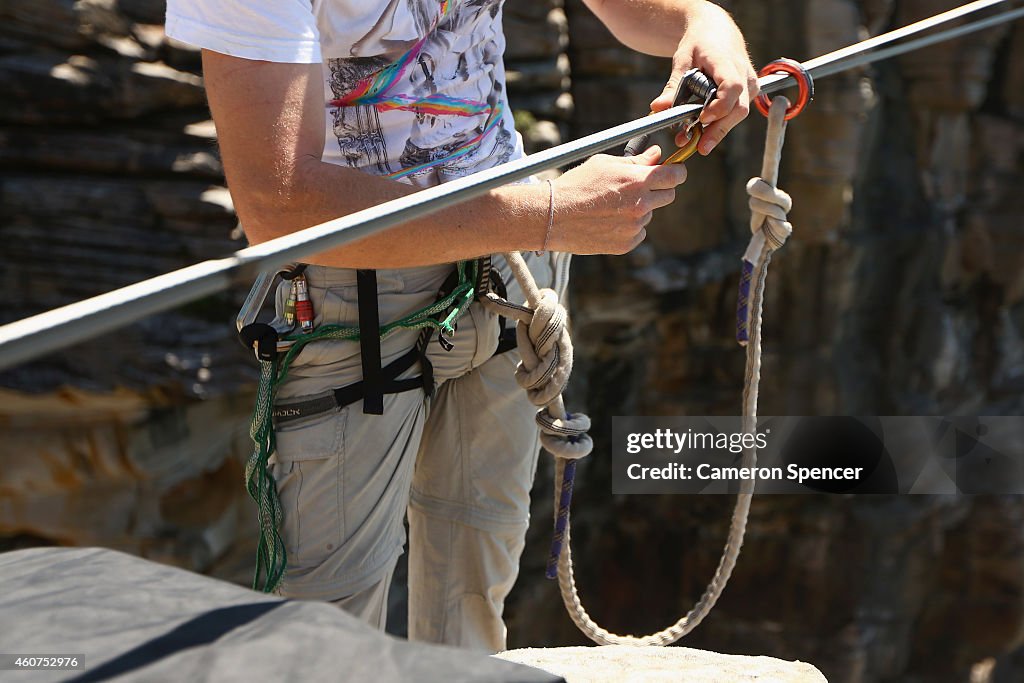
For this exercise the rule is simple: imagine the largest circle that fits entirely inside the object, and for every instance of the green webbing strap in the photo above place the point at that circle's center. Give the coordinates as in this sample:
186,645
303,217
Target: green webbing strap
271,557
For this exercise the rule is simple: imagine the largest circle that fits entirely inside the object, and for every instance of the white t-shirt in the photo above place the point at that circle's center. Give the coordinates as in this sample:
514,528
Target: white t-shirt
415,89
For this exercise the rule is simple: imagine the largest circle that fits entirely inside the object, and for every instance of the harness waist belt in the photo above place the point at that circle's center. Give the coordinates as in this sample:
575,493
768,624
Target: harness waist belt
287,411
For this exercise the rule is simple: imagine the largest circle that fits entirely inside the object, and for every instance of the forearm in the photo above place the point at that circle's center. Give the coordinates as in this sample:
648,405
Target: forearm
511,218
270,123
653,27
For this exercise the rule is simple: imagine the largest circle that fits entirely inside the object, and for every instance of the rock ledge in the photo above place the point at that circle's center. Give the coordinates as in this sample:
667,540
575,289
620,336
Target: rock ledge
624,663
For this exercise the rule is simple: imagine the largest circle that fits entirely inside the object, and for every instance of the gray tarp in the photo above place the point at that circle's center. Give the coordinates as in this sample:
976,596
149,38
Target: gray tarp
145,621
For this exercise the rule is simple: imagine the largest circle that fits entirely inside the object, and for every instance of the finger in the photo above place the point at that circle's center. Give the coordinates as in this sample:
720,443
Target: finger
656,199
638,239
635,242
729,92
716,132
682,137
650,157
667,96
667,177
680,65
753,87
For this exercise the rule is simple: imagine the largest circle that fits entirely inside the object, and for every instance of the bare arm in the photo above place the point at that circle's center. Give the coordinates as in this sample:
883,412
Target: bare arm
271,127
653,27
695,33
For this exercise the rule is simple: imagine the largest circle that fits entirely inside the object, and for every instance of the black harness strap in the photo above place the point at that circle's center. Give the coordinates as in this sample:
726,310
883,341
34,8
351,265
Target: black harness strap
369,342
506,335
426,367
287,411
378,381
506,340
386,383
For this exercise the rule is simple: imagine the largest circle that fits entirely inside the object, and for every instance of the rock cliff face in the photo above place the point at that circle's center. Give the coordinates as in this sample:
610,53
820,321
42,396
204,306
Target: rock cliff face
899,293
110,175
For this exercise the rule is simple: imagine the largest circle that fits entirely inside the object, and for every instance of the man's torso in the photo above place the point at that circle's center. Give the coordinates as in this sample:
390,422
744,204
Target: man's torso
415,89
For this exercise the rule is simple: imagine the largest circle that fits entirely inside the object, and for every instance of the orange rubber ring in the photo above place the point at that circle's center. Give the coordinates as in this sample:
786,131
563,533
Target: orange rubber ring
792,68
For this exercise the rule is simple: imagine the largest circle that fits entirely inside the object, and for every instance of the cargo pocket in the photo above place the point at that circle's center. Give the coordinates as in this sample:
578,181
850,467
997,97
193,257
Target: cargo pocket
308,476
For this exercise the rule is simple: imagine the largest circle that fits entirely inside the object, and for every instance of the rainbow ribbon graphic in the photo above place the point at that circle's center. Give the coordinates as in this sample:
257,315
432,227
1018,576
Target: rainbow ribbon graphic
374,91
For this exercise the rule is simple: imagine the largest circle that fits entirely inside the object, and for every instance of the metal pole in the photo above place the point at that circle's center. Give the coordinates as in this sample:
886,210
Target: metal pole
67,325
40,334
865,52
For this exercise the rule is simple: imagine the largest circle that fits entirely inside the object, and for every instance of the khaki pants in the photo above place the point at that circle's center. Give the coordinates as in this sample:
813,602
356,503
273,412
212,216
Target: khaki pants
460,465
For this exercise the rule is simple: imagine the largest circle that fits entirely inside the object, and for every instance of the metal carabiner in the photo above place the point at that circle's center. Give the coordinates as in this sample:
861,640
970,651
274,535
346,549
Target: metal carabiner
265,338
694,86
695,130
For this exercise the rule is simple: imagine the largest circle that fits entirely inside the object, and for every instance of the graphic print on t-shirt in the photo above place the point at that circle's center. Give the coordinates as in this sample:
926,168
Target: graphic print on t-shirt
357,127
447,79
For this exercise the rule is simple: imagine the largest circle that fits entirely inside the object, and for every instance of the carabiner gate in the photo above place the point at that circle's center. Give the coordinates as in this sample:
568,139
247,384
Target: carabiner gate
265,339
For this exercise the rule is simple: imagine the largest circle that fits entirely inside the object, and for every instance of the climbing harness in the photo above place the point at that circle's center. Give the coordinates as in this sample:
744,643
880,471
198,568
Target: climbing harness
277,343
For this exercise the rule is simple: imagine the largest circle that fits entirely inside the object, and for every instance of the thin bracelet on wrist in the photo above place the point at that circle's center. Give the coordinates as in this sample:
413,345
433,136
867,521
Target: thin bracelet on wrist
551,217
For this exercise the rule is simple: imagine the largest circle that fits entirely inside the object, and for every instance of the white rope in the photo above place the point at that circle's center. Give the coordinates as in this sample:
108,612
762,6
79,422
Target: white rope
546,349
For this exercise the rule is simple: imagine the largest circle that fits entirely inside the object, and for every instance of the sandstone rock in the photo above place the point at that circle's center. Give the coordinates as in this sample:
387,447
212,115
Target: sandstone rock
623,663
141,151
1012,91
618,61
530,10
145,11
530,39
56,88
141,473
542,135
68,24
953,75
550,74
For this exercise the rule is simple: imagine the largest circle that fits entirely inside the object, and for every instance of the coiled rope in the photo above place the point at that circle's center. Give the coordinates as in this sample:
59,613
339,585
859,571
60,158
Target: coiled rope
547,357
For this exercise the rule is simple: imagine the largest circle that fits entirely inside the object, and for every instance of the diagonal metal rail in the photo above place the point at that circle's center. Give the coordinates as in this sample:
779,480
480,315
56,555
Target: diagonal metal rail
38,335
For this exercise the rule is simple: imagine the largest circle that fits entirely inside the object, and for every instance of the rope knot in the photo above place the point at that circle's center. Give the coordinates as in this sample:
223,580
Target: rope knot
546,350
768,208
565,437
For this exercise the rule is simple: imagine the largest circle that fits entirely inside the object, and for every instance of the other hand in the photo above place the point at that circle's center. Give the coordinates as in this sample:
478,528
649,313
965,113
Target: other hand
713,43
604,205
